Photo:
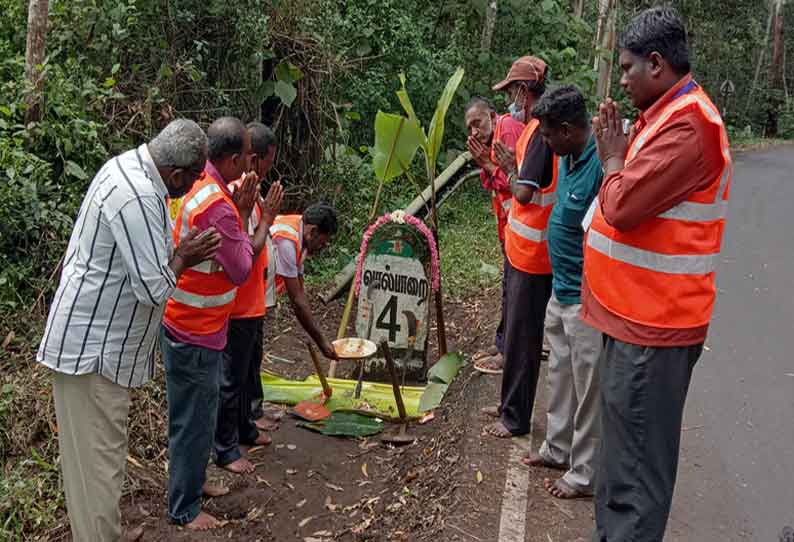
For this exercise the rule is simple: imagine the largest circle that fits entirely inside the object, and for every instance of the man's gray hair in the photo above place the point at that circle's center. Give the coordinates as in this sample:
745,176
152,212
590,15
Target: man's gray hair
181,144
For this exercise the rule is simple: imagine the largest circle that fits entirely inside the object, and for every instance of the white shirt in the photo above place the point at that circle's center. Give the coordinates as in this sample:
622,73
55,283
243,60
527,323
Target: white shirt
106,313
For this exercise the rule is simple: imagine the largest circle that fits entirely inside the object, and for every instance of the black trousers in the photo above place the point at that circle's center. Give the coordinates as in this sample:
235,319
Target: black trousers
499,340
254,384
527,297
643,391
235,425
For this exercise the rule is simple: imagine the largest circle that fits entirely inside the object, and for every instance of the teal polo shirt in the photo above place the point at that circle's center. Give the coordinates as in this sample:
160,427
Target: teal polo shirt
578,183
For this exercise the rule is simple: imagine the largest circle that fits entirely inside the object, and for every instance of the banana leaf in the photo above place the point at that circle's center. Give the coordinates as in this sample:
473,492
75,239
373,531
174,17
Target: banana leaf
346,424
396,141
376,399
446,369
433,395
435,134
439,377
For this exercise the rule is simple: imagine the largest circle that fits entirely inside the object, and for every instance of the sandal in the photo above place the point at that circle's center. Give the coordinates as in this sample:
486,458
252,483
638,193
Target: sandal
491,366
483,354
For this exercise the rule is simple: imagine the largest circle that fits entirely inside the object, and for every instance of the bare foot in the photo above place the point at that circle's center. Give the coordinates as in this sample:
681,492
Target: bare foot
262,440
561,490
497,429
211,490
203,522
265,424
275,414
537,460
240,466
492,411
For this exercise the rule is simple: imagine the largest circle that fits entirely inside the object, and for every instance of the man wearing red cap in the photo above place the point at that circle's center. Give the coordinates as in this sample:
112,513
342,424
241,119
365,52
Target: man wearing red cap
532,172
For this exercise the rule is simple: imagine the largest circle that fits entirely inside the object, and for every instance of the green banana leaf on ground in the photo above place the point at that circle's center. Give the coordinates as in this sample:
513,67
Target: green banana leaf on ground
376,399
346,424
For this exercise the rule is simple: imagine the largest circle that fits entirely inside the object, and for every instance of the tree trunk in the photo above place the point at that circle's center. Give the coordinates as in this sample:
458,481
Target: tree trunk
34,55
603,10
606,58
761,55
488,27
578,7
775,70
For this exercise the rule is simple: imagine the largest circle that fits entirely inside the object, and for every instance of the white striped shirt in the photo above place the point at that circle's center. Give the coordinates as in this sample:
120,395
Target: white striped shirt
106,313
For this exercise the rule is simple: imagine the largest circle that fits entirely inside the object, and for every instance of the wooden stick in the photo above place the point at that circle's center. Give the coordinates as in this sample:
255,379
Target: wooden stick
319,370
394,382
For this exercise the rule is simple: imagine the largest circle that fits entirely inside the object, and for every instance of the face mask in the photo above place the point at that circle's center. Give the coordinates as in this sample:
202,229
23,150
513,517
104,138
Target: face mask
515,112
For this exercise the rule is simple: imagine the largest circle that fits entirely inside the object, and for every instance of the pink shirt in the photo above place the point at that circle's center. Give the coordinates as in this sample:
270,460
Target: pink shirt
235,256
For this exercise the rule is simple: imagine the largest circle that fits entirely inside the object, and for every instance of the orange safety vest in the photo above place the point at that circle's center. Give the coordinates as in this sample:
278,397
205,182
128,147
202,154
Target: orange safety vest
661,273
250,300
500,200
204,295
526,246
288,227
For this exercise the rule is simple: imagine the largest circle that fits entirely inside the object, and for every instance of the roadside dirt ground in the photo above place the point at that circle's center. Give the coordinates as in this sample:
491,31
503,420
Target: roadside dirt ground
447,486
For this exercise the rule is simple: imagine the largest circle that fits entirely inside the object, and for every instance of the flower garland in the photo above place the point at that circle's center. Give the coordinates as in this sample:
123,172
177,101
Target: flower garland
399,217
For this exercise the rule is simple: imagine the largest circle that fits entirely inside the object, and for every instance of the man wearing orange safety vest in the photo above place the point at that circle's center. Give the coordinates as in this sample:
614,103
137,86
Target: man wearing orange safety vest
195,326
533,180
295,238
235,425
651,247
485,127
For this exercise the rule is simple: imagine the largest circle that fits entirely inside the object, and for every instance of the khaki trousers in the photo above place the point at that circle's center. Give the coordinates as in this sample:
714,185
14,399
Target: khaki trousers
92,434
572,430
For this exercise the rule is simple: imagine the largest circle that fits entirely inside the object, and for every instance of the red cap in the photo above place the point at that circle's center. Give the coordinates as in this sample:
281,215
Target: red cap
526,68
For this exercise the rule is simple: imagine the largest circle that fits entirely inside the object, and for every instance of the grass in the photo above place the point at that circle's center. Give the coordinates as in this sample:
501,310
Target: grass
31,500
471,258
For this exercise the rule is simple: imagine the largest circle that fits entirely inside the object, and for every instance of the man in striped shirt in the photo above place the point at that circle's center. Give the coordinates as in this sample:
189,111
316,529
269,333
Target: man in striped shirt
119,269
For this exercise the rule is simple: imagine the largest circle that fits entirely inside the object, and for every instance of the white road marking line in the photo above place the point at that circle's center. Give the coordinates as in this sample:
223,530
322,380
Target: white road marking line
512,523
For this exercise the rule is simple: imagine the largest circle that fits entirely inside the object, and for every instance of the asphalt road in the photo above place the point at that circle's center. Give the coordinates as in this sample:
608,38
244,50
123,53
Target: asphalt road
736,477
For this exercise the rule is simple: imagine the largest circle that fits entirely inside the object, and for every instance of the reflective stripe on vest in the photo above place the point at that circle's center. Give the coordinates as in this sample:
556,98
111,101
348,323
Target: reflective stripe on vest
190,205
207,267
288,227
203,301
661,273
284,228
528,233
661,263
544,199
